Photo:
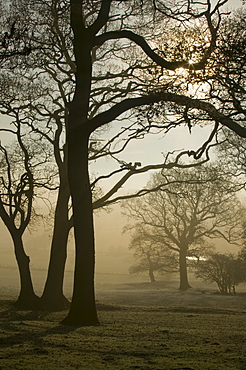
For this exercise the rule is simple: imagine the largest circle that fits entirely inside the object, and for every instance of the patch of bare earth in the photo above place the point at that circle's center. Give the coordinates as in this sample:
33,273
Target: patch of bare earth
143,326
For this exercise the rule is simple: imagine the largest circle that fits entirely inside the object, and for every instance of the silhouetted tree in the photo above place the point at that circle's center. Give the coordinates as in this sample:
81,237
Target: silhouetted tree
187,208
150,256
226,270
18,183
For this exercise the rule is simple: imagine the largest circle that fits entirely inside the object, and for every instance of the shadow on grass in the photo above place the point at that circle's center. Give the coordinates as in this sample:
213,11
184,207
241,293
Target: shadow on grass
19,326
27,326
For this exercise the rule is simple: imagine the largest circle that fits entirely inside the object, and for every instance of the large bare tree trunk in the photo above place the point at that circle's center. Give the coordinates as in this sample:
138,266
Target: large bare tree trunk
27,299
83,307
184,284
53,298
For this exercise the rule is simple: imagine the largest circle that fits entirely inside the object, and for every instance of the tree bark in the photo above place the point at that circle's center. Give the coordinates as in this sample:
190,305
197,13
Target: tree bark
184,284
83,308
27,299
53,298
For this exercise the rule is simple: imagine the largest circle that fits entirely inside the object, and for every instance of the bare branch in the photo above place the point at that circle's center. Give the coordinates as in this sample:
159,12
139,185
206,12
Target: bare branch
102,17
181,100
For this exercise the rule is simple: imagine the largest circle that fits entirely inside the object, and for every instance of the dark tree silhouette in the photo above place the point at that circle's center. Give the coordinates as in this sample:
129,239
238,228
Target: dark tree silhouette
53,298
16,206
226,270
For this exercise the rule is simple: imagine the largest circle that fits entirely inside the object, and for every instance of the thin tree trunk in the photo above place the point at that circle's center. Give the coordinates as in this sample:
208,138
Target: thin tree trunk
151,269
27,299
53,298
83,307
184,284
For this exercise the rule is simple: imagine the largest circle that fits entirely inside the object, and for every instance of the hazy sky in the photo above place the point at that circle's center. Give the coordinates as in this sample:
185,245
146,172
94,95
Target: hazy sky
233,3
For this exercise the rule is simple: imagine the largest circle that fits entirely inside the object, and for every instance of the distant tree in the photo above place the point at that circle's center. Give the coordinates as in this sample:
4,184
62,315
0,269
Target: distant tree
187,207
150,257
226,270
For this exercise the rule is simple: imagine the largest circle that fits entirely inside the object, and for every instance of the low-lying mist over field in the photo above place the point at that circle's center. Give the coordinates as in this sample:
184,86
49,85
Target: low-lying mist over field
113,257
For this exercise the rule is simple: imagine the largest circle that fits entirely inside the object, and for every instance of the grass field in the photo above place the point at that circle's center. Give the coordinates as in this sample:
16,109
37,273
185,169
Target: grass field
143,326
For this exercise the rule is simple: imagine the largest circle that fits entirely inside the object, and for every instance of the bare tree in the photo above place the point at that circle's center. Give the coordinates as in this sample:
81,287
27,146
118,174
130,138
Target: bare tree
150,256
23,172
189,207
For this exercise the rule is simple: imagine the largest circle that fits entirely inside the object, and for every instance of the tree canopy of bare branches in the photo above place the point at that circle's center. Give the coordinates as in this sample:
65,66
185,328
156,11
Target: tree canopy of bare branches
189,208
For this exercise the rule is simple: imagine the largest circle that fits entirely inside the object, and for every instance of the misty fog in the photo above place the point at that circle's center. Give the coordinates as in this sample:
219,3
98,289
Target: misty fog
113,258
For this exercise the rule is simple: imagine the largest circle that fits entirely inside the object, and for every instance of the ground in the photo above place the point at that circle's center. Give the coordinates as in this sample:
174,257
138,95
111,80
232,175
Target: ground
143,326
